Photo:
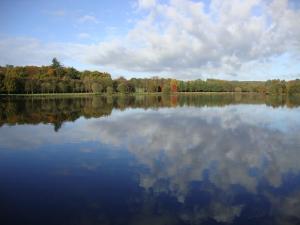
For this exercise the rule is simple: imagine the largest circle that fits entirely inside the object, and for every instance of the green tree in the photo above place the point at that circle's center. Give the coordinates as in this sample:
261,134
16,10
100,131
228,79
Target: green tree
62,87
166,88
10,84
97,87
276,87
87,83
55,63
79,86
46,87
29,86
72,73
122,88
109,90
293,87
58,68
181,86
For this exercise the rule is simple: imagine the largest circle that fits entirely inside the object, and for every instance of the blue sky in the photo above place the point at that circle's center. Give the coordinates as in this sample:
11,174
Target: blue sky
185,39
64,20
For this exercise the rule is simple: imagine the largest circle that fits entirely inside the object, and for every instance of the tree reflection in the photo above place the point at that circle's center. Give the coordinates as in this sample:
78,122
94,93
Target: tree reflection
35,110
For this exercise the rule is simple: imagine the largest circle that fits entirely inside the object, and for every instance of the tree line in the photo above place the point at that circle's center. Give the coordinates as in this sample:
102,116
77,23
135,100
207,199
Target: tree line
56,78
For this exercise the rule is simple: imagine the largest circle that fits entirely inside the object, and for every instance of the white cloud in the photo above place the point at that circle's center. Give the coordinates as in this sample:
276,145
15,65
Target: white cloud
30,51
187,39
88,19
181,37
84,36
234,138
145,4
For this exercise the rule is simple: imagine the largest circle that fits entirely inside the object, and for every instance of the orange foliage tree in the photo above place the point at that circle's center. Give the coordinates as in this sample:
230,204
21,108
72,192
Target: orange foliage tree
173,85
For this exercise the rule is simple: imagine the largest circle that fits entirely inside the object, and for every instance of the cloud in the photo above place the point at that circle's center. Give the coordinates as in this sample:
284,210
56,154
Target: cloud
84,36
31,51
145,4
220,212
182,37
239,39
229,138
88,19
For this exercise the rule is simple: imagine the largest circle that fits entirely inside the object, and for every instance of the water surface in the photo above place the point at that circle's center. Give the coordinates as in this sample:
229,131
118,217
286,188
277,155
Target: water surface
209,159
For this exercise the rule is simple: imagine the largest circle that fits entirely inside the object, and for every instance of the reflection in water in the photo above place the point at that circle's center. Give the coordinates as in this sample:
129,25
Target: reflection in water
213,159
52,110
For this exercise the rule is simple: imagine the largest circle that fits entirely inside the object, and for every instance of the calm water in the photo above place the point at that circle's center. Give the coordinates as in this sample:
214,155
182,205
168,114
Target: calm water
218,159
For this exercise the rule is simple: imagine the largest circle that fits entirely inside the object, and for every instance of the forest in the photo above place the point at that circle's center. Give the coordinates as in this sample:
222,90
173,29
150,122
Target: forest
57,78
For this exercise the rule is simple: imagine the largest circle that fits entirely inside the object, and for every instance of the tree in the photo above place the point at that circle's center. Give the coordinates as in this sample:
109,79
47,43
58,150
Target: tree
276,87
122,88
2,87
28,87
293,87
62,87
79,86
46,87
55,63
97,87
72,73
173,85
166,89
67,79
151,85
109,90
51,72
10,84
87,83
181,86
130,87
53,85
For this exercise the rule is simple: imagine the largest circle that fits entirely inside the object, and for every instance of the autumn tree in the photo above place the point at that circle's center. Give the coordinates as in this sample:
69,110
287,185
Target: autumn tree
56,78
173,85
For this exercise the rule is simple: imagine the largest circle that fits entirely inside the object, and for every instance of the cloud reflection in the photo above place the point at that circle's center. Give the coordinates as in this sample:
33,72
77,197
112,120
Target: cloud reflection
188,141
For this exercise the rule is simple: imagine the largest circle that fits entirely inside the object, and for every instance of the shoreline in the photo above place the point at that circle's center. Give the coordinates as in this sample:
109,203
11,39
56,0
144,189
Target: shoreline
128,94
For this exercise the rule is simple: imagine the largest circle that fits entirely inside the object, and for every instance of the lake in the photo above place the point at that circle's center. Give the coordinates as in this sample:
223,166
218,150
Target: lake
185,159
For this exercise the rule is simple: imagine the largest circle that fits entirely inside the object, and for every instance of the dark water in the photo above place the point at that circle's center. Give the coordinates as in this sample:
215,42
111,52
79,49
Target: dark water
212,159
